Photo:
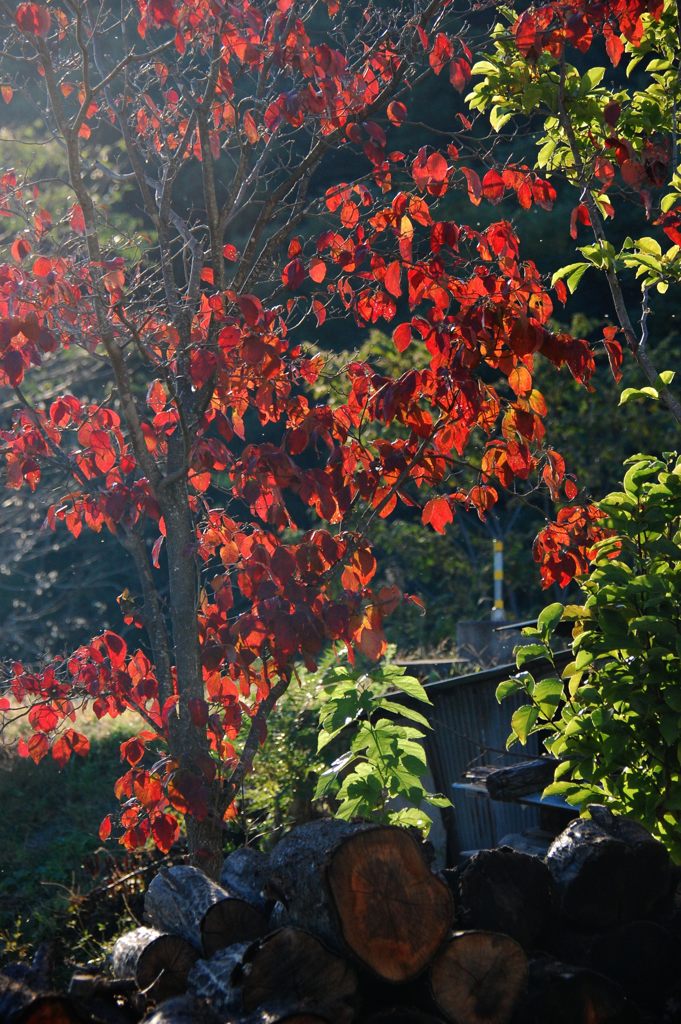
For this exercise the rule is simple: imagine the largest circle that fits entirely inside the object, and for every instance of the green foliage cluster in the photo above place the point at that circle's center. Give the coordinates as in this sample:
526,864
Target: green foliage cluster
347,739
613,717
380,773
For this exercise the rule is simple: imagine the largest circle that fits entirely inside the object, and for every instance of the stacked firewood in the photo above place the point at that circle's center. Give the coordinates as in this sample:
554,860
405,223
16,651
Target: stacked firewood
349,923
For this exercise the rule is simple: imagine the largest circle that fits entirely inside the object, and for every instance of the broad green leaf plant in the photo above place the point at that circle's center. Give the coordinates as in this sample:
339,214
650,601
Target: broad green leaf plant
372,735
613,716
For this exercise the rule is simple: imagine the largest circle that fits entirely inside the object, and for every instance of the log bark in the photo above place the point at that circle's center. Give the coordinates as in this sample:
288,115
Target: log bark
106,1000
184,901
158,962
180,1010
20,1004
642,957
478,977
520,779
607,870
289,969
561,994
402,1015
366,890
245,873
505,891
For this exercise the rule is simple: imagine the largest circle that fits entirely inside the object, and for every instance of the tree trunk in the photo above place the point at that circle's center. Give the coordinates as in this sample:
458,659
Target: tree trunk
288,970
505,891
184,901
364,889
159,963
607,870
478,977
188,743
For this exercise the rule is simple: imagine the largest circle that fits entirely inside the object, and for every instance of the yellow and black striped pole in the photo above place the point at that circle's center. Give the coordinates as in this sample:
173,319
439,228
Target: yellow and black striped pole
498,612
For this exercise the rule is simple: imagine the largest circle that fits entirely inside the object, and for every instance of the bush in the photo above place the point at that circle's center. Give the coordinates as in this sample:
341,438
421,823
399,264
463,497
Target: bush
613,717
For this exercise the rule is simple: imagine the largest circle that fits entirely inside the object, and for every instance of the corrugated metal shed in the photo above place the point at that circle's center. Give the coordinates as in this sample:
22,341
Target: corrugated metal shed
470,729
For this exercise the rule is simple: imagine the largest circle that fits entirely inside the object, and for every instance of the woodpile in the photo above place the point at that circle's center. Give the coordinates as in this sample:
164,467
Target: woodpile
349,924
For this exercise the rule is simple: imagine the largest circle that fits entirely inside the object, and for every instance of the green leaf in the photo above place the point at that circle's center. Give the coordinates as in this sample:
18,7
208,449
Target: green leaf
404,711
549,618
568,270
523,721
548,694
529,652
508,687
646,392
413,688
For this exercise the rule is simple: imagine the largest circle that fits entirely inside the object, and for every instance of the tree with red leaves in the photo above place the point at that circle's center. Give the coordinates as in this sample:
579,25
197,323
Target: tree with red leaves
244,503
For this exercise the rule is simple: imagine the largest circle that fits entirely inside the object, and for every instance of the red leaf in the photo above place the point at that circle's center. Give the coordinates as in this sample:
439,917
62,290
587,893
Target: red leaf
293,274
437,167
251,308
132,750
441,53
614,351
76,219
580,215
43,718
164,831
633,173
402,337
71,742
36,748
34,19
250,128
392,277
105,828
459,73
525,32
230,253
349,216
493,187
397,112
7,92
474,185
20,248
520,380
317,270
437,513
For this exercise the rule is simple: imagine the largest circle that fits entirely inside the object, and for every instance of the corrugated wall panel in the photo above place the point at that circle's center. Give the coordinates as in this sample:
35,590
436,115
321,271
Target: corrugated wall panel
470,728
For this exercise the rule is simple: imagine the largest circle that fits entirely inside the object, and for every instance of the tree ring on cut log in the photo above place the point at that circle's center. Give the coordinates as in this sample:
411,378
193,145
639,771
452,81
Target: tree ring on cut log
158,962
478,977
292,962
394,912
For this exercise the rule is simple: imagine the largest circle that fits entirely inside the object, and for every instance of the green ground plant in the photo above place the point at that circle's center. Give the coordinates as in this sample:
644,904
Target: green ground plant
613,717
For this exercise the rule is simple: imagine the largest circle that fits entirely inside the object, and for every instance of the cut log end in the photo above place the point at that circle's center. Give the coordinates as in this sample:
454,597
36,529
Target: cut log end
230,921
478,977
158,963
394,912
294,963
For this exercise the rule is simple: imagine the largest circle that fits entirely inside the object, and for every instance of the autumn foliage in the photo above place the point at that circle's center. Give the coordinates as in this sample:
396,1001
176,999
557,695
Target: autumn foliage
242,500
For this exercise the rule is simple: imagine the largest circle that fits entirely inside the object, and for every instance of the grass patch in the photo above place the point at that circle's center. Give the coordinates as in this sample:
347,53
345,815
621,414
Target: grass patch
57,881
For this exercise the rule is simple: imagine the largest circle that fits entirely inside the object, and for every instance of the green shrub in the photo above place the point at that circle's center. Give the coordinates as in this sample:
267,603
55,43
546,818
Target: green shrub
613,717
349,730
